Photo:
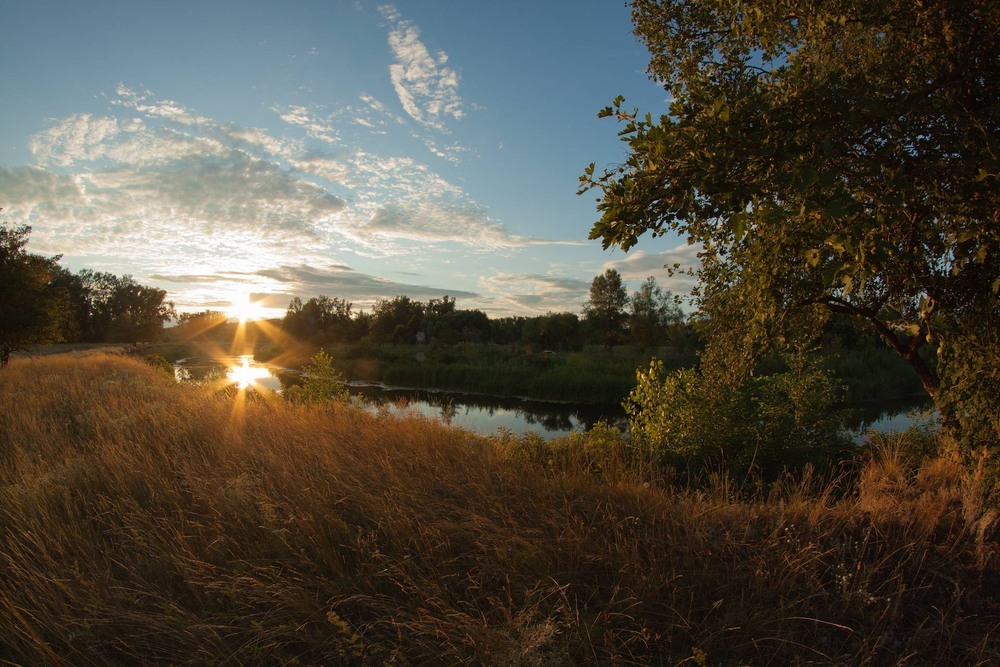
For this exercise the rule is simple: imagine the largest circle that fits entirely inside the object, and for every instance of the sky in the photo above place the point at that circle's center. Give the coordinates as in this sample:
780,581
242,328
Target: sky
355,149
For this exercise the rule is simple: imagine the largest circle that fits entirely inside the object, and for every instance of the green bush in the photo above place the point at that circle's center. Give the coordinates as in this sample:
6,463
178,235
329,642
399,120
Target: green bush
322,382
691,419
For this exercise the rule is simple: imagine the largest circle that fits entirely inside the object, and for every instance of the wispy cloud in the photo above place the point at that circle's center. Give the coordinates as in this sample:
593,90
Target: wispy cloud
638,265
315,125
79,137
397,198
372,115
463,223
145,185
427,88
520,294
157,108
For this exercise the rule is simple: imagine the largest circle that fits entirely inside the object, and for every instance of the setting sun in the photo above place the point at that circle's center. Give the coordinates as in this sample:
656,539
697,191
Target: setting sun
244,309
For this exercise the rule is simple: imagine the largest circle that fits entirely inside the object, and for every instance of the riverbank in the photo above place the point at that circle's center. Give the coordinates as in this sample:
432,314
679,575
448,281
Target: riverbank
870,373
589,376
593,375
428,375
146,521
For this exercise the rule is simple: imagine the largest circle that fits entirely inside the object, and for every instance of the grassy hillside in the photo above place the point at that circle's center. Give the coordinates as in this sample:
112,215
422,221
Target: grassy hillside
146,522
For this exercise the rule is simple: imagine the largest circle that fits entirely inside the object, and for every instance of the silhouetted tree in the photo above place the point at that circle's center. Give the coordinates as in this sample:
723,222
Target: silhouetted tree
321,319
442,306
206,324
605,310
507,330
443,323
652,312
32,305
553,331
122,310
396,320
76,316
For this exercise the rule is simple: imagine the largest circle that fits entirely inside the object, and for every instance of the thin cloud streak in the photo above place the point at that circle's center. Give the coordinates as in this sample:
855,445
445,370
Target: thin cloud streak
274,287
315,126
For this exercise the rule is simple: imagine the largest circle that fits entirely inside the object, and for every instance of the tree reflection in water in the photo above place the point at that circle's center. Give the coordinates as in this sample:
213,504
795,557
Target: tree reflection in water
486,414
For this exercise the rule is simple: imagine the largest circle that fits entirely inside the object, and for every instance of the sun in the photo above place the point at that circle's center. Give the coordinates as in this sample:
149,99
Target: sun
244,309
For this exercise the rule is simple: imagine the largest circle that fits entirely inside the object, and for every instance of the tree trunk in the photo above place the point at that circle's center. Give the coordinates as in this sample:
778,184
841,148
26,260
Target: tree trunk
909,352
928,378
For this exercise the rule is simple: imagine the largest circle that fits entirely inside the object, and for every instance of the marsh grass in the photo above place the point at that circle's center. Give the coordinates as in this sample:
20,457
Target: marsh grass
148,522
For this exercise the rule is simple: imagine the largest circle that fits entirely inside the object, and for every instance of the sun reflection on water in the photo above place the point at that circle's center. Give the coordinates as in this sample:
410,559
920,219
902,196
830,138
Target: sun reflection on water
245,375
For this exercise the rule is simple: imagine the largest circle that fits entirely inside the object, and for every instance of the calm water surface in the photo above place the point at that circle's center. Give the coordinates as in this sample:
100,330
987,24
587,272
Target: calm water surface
487,414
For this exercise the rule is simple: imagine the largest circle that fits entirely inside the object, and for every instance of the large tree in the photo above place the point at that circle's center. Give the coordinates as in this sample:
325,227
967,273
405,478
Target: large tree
207,324
320,319
32,303
837,156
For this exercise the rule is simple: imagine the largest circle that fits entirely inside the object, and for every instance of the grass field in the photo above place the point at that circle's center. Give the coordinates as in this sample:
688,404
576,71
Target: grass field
144,522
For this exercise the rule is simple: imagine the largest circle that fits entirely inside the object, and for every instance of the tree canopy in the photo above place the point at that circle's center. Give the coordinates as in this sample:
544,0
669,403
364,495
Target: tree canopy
120,310
825,157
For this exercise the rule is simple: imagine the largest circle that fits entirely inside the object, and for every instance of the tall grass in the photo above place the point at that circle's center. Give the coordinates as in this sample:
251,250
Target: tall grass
146,522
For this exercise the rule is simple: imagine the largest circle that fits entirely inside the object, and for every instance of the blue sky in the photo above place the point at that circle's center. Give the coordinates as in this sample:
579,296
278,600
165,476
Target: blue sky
354,149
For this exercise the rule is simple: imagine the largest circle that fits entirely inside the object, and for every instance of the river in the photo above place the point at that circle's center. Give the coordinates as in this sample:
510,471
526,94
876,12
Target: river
487,414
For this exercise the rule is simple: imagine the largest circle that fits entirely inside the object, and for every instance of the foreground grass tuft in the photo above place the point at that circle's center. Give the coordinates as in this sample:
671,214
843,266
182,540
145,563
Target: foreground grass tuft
146,522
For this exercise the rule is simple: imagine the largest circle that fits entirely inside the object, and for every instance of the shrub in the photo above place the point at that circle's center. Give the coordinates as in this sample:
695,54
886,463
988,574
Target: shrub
690,419
322,382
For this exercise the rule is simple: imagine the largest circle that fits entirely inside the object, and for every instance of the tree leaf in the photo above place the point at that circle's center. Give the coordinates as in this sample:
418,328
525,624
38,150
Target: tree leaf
841,206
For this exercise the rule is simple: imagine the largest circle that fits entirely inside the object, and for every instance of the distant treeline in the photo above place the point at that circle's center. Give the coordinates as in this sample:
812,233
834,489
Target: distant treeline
43,302
435,344
102,307
647,319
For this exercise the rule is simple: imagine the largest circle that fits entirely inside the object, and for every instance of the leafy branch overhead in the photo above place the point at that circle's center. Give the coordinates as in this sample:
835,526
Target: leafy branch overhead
827,158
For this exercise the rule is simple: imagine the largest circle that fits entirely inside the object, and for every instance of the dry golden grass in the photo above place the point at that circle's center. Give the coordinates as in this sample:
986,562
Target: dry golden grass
144,522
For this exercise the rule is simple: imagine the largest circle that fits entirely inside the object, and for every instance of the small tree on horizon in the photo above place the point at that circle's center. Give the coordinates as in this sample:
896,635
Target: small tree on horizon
605,309
652,312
